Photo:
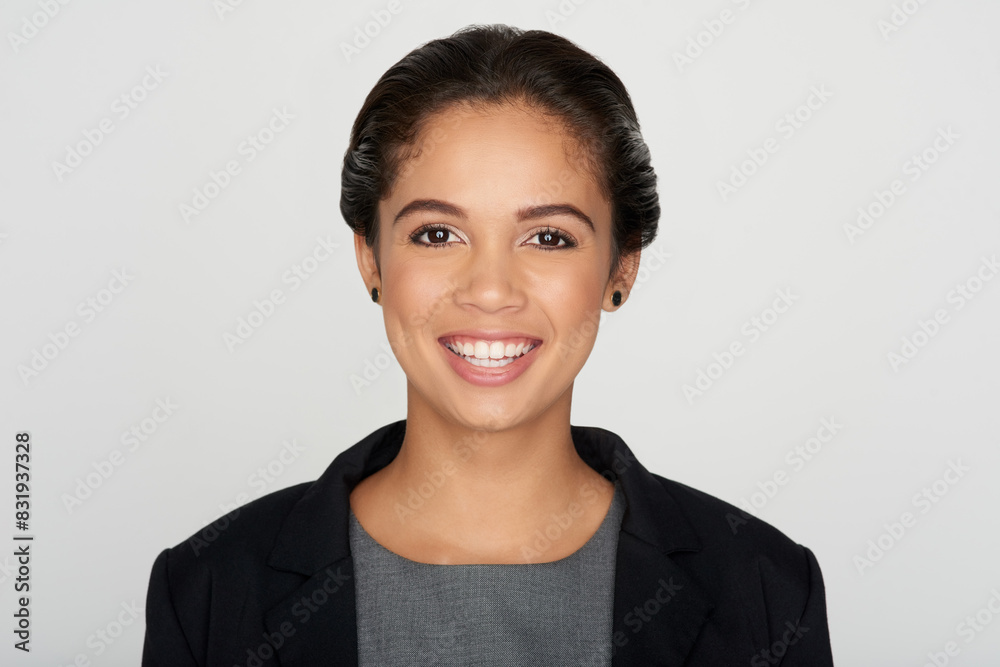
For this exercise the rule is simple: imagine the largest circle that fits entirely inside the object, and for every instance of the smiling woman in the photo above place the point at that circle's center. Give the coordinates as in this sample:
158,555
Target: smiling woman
500,193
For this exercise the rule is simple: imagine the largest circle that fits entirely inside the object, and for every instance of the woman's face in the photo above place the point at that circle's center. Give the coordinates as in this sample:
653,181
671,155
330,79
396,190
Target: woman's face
495,251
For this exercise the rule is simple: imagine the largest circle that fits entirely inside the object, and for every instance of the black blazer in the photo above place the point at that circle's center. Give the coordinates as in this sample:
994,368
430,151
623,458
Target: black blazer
697,581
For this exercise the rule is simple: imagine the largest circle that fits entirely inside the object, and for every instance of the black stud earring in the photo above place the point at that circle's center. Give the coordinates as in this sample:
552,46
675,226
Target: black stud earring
616,298
375,294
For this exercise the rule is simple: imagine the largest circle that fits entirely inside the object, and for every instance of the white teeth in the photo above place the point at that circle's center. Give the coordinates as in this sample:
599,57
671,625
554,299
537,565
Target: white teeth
491,363
489,354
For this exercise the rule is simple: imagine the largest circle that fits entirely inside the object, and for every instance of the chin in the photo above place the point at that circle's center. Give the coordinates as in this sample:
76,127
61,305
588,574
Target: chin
489,419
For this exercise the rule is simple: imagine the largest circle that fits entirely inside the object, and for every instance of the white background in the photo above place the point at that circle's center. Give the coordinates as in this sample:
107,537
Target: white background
161,337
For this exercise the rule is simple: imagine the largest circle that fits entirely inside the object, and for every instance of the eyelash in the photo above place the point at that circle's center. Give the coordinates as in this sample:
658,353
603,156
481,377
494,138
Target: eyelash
568,241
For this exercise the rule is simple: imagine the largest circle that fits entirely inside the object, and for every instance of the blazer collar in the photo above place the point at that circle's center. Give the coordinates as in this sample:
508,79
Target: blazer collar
658,608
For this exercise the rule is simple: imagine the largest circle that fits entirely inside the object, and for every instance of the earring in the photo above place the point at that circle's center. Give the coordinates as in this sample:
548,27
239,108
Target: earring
616,298
375,294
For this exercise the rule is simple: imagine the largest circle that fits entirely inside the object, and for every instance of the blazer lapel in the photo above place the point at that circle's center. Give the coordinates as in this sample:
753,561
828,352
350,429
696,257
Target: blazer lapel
317,623
659,610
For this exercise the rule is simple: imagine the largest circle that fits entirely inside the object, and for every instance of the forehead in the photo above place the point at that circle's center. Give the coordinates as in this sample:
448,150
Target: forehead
468,149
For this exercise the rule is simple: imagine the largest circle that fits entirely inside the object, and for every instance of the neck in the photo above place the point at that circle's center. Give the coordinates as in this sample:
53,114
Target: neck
499,471
477,495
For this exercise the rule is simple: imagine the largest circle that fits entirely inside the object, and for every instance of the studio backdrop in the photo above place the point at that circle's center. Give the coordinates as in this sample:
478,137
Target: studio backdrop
812,335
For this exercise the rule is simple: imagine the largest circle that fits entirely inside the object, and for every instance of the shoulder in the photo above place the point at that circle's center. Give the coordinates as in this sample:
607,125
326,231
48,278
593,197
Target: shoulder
248,540
211,589
726,531
743,555
250,527
719,522
765,591
236,544
692,525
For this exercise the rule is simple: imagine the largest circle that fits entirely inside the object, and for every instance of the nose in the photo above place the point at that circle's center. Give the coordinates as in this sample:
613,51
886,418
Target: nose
490,281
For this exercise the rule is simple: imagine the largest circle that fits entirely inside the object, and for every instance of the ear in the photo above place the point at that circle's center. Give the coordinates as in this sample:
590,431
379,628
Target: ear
366,263
623,279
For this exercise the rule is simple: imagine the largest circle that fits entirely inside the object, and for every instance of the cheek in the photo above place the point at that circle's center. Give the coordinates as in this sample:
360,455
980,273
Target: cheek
577,281
572,299
412,299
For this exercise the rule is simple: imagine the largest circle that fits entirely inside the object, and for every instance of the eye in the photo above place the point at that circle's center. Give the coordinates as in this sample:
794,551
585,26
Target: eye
551,239
437,236
434,236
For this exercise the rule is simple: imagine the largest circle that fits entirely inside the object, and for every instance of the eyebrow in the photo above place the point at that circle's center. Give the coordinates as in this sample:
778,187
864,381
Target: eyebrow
526,213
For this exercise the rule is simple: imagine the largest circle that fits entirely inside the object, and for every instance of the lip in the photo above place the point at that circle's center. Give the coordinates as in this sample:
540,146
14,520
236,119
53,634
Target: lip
485,376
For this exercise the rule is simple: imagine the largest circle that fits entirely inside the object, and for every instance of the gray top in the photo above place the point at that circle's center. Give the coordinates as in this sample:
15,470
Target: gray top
557,613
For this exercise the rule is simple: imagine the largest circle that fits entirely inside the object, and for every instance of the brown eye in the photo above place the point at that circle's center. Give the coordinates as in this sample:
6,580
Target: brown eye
435,236
550,238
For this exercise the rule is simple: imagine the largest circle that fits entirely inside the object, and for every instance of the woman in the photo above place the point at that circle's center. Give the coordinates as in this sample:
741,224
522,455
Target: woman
500,193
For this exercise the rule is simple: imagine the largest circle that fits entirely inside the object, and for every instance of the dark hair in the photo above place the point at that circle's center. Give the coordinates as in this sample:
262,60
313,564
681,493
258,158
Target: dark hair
499,64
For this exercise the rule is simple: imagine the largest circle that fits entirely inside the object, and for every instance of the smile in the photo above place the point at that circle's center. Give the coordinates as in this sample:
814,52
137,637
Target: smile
490,354
489,358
